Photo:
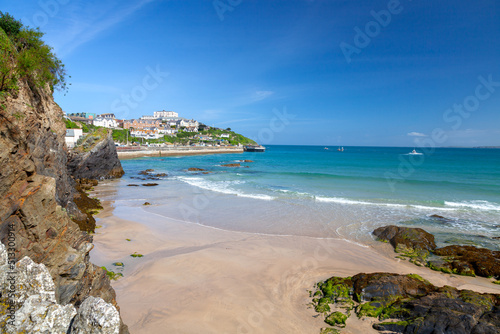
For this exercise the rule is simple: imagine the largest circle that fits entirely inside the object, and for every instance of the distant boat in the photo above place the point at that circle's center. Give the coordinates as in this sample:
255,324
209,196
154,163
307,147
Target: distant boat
340,149
415,153
254,148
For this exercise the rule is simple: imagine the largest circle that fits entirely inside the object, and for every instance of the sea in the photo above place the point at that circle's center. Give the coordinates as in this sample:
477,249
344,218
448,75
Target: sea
321,192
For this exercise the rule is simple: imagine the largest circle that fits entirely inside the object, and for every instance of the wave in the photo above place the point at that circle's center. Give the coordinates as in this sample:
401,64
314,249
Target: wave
477,205
340,200
222,187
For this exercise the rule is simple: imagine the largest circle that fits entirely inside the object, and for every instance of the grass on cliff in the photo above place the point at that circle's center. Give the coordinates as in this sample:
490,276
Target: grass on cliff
87,143
25,56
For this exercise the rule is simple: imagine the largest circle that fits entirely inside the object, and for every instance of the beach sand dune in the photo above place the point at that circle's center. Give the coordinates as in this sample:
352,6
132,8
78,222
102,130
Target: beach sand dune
196,279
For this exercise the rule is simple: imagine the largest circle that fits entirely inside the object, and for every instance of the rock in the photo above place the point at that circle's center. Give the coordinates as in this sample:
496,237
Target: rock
160,175
88,206
147,203
40,316
247,160
232,165
413,238
100,162
470,260
194,169
132,185
95,316
412,304
146,172
150,184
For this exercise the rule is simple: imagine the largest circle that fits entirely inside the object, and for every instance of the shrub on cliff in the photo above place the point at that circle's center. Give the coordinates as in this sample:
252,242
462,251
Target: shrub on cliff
24,55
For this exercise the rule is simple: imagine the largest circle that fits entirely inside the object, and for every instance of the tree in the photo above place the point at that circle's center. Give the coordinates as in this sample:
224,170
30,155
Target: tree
9,24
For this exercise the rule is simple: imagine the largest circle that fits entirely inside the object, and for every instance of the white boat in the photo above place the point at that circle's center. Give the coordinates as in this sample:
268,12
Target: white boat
415,153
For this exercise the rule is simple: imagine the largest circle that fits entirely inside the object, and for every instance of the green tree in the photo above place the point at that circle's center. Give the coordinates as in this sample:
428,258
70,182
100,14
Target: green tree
9,24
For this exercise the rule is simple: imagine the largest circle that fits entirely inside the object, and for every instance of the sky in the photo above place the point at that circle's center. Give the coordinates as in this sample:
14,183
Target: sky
294,72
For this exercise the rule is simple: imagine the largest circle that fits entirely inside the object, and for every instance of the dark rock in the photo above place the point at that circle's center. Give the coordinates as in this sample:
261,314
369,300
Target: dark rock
412,303
147,203
150,184
100,162
470,260
194,169
132,185
146,172
413,238
232,165
160,175
247,160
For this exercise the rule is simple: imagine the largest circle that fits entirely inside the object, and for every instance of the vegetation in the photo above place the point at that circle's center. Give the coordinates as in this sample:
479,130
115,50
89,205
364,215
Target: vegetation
136,255
111,274
70,124
25,56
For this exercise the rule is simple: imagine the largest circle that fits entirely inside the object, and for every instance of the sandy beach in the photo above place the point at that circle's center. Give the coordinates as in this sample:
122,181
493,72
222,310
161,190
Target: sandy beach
178,151
196,279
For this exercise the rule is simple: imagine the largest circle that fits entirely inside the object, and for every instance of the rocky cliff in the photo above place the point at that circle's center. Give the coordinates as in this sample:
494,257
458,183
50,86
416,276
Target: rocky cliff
36,199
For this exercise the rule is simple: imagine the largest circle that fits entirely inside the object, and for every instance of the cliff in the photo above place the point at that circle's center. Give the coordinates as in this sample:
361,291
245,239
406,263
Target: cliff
36,199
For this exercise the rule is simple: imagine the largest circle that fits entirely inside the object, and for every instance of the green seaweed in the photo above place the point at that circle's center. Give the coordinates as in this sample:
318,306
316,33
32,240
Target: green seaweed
336,319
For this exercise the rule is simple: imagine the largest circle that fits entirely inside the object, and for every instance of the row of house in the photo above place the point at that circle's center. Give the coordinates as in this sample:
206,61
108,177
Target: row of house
154,126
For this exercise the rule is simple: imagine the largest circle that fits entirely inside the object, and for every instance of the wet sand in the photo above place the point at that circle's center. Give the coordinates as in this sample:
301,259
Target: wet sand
197,279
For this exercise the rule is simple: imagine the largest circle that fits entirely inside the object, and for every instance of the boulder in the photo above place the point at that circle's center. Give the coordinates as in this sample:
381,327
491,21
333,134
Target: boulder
232,165
413,238
95,316
470,260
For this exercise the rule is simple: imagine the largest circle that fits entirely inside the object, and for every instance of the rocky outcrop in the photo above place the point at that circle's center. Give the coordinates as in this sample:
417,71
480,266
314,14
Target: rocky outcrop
419,247
406,304
28,303
36,198
414,238
97,160
232,165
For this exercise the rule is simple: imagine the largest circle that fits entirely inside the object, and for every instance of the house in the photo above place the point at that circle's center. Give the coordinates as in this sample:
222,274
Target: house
146,133
72,136
80,119
105,122
107,116
165,114
86,115
224,135
140,123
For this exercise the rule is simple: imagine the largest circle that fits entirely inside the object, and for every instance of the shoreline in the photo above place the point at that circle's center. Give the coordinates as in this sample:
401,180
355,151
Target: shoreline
178,151
195,279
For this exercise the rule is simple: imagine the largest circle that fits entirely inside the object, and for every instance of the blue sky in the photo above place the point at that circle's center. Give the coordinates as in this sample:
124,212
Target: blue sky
286,72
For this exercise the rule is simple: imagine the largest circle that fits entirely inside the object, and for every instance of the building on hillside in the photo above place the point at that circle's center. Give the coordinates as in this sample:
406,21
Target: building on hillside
80,119
167,131
82,114
224,135
148,117
119,123
107,116
72,136
105,122
146,133
165,114
140,123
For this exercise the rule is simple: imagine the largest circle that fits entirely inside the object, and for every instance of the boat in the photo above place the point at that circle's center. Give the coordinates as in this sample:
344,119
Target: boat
415,153
254,148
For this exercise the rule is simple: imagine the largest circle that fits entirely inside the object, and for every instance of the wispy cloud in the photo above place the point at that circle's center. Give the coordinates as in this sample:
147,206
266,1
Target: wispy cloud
87,23
417,134
261,95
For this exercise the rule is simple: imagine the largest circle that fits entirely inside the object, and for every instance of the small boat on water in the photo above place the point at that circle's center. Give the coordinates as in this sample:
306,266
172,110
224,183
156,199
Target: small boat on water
415,153
254,148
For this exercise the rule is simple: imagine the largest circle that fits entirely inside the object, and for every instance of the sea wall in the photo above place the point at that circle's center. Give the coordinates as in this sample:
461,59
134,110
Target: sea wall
36,199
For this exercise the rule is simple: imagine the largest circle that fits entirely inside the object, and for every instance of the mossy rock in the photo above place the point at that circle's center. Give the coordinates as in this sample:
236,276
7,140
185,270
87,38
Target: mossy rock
323,305
118,264
136,255
337,319
329,331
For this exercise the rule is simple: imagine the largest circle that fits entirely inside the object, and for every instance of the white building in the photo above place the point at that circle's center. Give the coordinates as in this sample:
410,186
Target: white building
105,122
161,114
72,136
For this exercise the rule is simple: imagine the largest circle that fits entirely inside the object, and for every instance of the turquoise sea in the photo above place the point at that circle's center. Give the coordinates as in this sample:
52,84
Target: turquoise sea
318,192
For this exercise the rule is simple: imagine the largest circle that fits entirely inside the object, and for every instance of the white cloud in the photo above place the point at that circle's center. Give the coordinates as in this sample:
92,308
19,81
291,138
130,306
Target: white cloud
262,94
417,134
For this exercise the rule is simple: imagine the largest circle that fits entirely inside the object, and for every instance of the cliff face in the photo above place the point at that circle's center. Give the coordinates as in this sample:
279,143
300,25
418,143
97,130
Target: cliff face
36,198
